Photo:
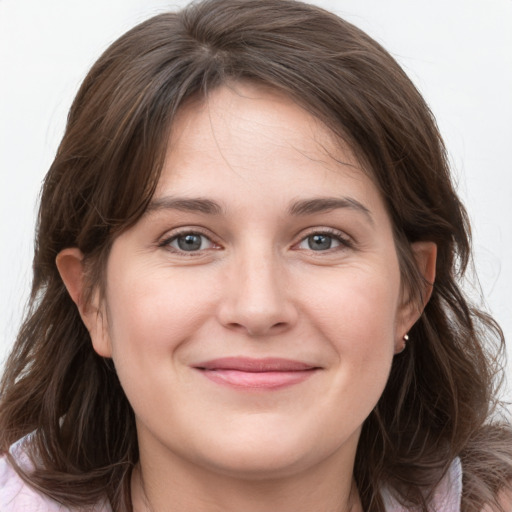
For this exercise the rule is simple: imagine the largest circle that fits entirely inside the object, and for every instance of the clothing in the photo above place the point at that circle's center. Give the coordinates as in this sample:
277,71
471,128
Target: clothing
447,495
17,496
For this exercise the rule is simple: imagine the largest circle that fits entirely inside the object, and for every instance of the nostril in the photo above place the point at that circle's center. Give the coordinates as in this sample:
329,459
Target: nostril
236,326
257,330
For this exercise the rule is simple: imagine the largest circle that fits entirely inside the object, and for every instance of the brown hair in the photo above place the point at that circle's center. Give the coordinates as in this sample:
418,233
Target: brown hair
439,399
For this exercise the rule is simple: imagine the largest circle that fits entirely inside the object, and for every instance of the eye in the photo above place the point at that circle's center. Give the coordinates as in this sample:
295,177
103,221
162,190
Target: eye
189,242
323,242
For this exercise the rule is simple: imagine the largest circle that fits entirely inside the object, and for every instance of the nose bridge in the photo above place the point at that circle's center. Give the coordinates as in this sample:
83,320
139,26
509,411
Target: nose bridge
257,299
260,279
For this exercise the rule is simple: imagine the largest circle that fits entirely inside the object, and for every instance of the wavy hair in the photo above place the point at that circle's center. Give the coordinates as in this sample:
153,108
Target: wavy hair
439,401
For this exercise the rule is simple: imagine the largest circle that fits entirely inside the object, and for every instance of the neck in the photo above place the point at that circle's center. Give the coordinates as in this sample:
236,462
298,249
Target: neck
319,489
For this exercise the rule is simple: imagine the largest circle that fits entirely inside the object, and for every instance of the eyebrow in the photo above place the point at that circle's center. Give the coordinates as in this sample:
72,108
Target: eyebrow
199,205
302,207
326,204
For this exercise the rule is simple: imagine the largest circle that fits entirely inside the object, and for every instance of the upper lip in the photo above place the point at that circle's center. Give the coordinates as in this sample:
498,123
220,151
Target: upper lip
252,365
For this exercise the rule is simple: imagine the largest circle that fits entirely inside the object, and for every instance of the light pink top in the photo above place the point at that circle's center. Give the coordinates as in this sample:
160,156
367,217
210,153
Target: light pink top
17,496
447,496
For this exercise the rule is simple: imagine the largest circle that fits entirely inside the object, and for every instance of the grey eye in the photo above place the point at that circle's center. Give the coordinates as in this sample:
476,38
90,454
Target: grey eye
320,242
190,242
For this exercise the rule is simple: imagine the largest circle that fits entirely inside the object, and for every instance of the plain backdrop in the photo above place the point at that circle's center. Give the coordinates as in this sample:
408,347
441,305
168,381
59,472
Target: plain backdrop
458,53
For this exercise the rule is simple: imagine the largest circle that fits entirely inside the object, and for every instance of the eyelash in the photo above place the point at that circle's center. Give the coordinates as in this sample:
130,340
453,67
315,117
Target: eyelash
166,243
344,241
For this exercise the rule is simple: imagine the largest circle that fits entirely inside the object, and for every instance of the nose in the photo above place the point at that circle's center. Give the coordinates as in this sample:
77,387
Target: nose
257,299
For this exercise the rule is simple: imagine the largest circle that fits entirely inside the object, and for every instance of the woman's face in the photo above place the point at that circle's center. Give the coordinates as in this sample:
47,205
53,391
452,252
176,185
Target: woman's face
253,312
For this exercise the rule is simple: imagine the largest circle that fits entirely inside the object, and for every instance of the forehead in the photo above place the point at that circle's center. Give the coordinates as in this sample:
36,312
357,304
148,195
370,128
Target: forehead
248,144
251,125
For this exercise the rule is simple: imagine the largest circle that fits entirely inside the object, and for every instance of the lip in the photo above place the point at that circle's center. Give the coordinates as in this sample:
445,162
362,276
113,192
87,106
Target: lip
249,373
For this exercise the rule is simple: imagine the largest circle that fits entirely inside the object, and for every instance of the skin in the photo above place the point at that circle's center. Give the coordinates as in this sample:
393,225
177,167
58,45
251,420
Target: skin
257,287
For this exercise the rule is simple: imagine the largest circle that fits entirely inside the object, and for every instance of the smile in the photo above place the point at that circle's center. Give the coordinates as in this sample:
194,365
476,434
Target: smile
268,373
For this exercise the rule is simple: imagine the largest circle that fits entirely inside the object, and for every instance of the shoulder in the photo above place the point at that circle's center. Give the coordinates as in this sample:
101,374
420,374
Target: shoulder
446,496
17,496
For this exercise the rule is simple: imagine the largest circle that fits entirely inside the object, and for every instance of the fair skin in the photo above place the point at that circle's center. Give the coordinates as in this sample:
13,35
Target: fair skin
504,499
253,312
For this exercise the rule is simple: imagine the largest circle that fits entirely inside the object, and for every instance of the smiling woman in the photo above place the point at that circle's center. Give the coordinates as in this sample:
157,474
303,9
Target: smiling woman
245,290
252,312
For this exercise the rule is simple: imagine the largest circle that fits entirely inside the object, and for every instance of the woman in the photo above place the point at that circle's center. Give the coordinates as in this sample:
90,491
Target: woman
245,290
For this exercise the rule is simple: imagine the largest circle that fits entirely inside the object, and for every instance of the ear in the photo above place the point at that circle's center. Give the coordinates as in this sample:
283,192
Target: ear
72,272
425,256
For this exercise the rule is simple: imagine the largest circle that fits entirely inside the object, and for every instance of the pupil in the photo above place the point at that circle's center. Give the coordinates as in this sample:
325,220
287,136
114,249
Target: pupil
189,242
319,242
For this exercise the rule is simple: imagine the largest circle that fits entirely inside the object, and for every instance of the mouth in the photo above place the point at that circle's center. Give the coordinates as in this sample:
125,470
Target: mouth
248,373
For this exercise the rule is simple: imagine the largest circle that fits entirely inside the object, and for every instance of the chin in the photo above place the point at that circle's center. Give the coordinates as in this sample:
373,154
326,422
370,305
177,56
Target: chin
260,464
279,454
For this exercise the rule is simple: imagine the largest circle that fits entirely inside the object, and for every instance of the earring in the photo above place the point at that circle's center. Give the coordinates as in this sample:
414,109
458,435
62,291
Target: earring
405,339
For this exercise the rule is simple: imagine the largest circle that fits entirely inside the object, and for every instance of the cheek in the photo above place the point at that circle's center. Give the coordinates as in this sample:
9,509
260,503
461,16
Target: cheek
152,310
356,315
356,305
151,314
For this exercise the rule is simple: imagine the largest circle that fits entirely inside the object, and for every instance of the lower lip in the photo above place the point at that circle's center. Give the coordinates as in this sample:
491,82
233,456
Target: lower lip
258,380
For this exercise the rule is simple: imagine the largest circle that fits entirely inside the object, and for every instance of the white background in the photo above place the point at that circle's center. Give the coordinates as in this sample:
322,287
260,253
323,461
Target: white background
458,52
